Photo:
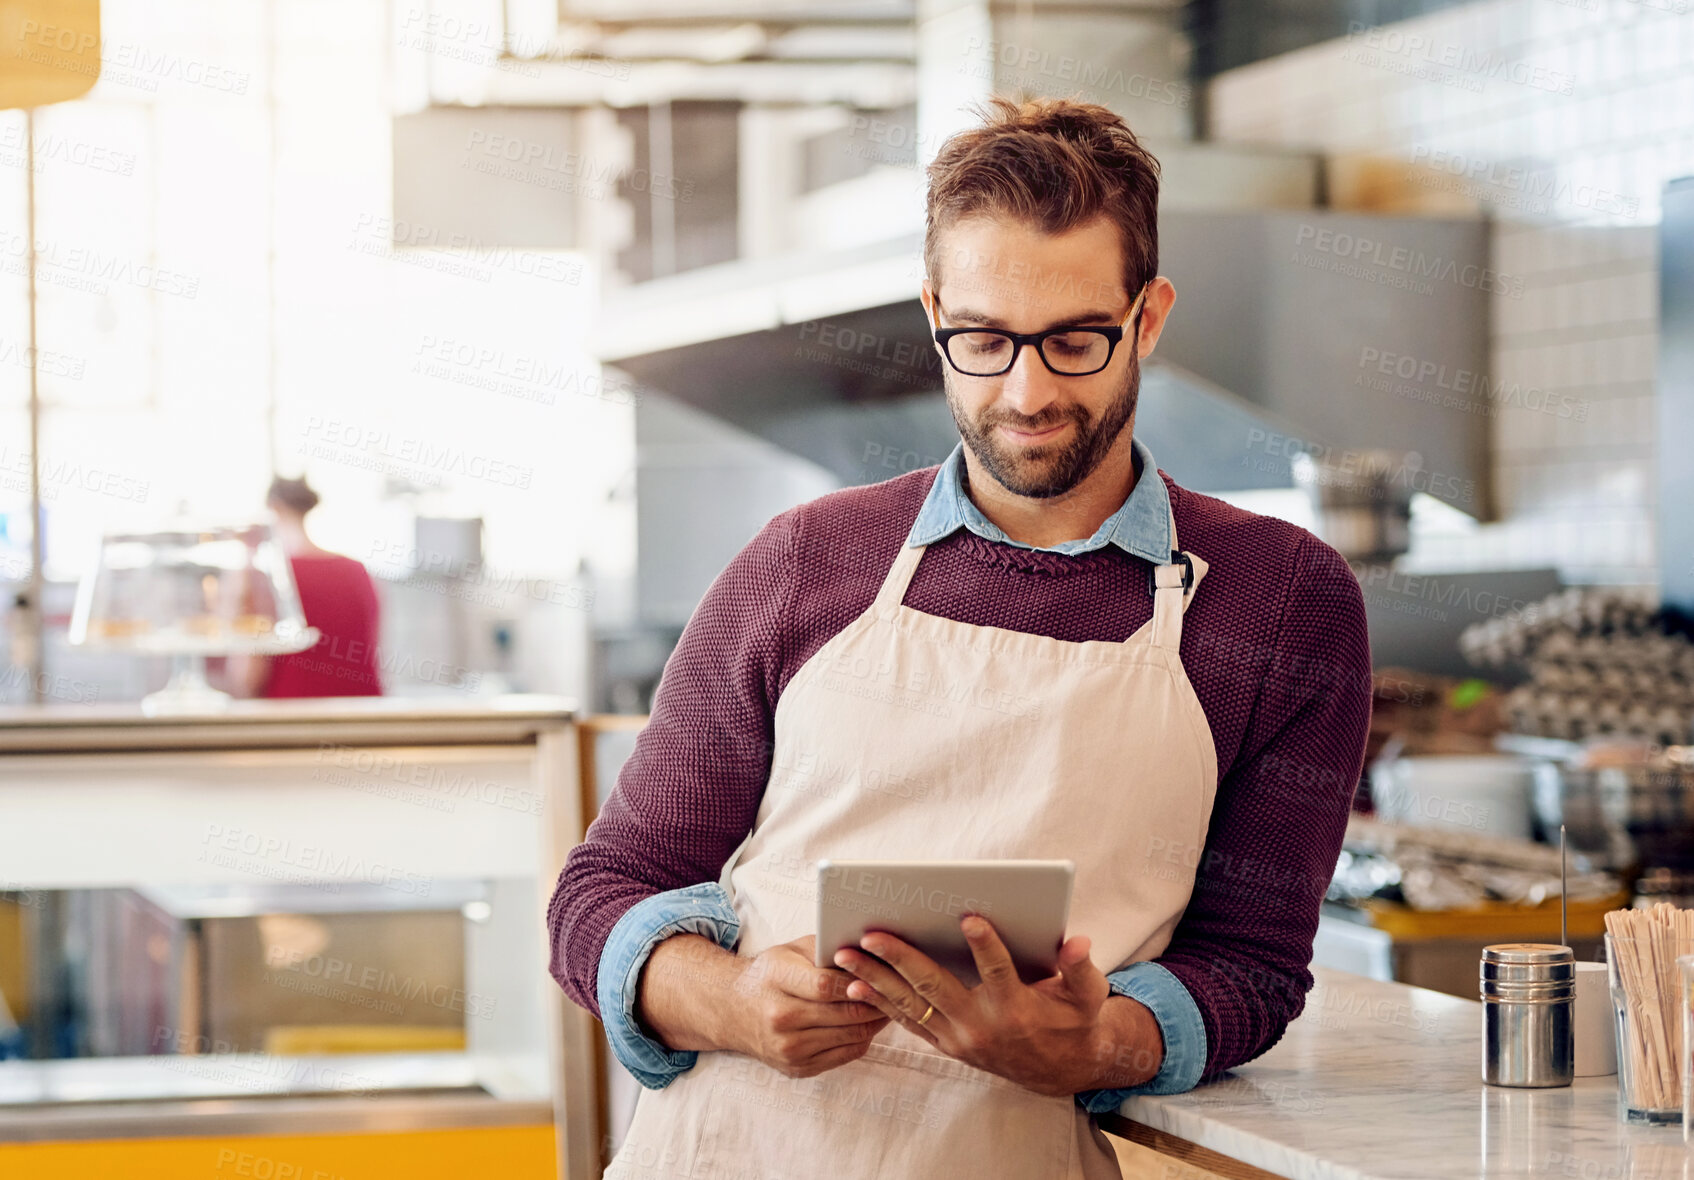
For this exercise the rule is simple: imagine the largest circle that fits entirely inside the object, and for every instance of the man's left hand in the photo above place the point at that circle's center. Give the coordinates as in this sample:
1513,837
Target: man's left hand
1044,1036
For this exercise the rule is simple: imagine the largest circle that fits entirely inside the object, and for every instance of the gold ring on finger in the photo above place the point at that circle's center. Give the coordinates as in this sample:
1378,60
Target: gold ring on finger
925,1017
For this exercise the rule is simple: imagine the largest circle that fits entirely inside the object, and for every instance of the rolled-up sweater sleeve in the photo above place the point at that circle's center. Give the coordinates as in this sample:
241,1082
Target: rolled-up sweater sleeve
1244,945
1180,1028
702,909
688,794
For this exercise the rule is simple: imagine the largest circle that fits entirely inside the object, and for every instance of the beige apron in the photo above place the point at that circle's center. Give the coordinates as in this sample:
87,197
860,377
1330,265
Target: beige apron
909,735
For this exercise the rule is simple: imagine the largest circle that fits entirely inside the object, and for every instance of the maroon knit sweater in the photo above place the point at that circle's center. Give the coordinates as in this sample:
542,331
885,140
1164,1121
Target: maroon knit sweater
1274,643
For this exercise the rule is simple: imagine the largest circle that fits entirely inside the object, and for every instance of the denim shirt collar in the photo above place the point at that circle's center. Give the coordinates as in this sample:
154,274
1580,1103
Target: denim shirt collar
1141,526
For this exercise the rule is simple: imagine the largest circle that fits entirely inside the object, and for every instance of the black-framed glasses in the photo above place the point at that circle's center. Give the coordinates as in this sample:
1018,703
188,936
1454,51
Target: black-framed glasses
1069,352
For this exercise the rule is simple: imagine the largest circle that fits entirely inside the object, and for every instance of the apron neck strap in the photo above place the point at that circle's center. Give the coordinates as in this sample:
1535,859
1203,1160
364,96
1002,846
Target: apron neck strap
1171,584
899,576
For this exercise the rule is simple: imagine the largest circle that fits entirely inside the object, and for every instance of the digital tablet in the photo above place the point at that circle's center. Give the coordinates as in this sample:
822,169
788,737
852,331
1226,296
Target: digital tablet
921,902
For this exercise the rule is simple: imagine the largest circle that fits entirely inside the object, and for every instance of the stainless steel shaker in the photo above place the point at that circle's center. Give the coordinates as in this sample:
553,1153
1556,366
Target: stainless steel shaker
1528,1014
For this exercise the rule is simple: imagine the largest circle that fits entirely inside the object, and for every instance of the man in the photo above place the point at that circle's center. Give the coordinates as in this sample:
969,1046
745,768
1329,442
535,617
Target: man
1043,648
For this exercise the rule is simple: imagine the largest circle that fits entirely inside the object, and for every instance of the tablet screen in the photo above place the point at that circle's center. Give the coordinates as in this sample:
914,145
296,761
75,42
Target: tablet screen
922,902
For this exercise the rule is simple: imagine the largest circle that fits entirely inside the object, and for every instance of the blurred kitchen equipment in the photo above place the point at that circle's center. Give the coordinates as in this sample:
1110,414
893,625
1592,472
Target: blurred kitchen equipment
1418,713
1426,901
1528,1000
1642,947
1362,500
1563,798
1488,793
1630,805
1448,869
188,592
1602,662
1660,884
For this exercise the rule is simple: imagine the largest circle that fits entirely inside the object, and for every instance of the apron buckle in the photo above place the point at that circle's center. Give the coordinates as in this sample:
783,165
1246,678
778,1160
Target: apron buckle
1177,558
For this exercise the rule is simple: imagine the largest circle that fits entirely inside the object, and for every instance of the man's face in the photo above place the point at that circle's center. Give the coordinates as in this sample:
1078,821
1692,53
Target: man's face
1040,433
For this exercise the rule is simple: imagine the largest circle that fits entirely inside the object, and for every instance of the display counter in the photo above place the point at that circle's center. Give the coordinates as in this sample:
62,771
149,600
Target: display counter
1380,1081
356,806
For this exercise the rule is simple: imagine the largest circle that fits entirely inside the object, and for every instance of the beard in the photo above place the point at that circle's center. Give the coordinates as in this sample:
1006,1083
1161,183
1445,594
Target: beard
1050,469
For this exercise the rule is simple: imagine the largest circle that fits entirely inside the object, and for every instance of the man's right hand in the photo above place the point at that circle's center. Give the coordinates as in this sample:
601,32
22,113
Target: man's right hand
796,1017
776,1007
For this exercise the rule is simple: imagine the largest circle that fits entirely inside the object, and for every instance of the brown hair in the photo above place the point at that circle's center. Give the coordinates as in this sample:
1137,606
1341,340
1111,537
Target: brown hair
1052,162
294,494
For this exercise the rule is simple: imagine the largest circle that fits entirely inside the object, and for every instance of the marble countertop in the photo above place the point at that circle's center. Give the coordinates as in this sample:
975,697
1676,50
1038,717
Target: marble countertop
1380,1081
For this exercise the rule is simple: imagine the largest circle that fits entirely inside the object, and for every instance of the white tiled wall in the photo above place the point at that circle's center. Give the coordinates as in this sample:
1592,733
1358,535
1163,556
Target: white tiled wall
1594,102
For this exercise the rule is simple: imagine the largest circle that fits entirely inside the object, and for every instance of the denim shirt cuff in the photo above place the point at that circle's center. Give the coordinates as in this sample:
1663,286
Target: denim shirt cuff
1180,1024
703,909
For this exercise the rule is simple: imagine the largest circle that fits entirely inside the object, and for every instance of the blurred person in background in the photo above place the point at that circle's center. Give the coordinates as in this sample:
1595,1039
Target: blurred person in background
338,598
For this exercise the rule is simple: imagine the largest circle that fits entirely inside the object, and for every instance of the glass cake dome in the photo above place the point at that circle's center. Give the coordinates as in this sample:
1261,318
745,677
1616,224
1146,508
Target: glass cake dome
190,591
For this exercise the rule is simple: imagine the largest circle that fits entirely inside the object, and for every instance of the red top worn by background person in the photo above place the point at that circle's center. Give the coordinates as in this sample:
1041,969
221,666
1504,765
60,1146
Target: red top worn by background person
339,599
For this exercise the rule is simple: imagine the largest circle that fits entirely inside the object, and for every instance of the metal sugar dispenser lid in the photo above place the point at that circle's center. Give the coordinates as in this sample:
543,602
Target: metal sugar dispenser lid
1514,966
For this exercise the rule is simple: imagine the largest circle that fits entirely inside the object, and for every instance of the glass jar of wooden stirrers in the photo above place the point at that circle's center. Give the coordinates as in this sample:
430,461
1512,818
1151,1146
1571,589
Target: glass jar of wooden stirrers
1646,984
